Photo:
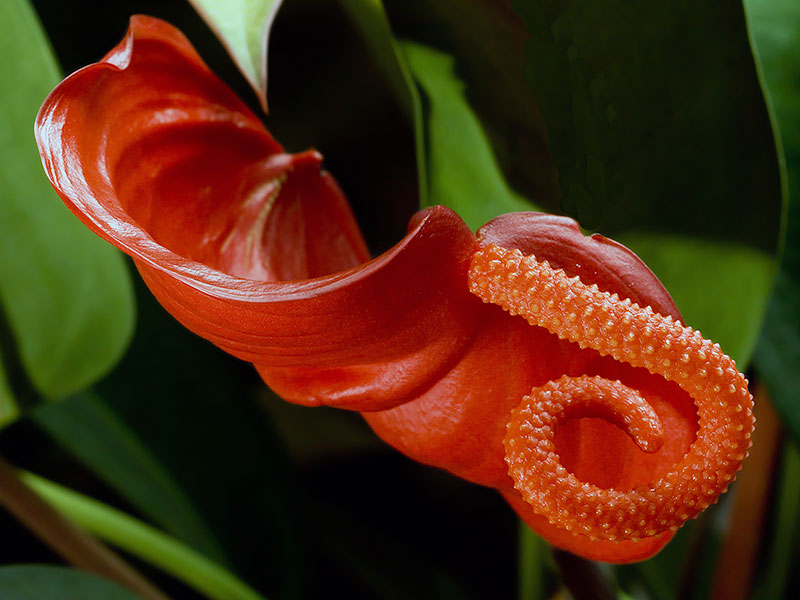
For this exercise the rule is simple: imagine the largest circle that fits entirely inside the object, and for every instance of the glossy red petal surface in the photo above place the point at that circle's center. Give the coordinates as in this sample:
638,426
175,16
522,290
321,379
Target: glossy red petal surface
251,248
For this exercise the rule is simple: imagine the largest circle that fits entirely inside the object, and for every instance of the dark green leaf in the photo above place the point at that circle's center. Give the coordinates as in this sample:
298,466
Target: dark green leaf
486,38
95,434
685,567
65,292
531,551
661,137
40,582
775,27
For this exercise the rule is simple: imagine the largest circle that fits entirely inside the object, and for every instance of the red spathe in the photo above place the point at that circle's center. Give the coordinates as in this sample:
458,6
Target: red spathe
257,251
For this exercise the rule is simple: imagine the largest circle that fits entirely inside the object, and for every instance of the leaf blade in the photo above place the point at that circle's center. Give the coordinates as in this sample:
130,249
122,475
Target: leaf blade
67,295
775,28
243,26
91,431
662,136
461,162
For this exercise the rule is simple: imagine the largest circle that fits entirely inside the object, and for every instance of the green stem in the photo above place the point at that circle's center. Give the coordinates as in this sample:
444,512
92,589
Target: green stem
530,555
144,541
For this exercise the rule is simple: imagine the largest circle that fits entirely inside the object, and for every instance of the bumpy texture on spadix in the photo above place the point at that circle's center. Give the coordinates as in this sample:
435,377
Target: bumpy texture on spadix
548,298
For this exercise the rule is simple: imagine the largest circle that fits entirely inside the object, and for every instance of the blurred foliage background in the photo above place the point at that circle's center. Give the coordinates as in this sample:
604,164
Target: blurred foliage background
645,121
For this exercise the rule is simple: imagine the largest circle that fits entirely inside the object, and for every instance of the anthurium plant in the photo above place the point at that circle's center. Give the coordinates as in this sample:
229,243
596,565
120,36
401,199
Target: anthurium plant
505,338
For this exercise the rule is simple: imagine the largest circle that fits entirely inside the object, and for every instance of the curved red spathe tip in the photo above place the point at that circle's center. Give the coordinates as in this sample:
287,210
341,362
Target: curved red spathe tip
256,250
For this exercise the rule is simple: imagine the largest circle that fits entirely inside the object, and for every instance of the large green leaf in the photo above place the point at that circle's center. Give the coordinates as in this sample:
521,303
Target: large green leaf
96,435
653,115
471,142
463,172
243,26
661,137
66,293
485,39
40,582
775,27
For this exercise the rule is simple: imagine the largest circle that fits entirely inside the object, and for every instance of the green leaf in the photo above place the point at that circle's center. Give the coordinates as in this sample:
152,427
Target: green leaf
485,38
661,139
143,541
462,169
243,26
775,28
778,352
95,434
41,582
456,159
65,292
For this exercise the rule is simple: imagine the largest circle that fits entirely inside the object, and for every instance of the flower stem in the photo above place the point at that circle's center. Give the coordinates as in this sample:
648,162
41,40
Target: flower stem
145,542
65,538
530,555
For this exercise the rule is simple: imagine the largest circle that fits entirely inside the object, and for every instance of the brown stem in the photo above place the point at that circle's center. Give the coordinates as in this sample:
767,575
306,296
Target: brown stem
583,578
739,554
69,541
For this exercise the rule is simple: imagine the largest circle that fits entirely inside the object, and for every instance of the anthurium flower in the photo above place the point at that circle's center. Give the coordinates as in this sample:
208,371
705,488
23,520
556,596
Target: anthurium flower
551,366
